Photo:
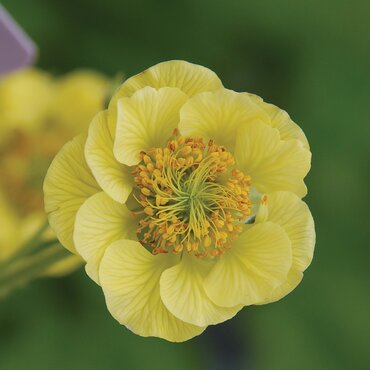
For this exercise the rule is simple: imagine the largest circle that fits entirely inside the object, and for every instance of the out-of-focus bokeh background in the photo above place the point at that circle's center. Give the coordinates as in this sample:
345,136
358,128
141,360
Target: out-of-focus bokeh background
311,58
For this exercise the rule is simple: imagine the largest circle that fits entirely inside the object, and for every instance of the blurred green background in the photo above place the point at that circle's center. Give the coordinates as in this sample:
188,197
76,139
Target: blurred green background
311,58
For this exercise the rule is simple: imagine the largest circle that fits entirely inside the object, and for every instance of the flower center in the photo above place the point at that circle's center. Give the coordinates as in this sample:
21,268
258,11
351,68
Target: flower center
193,197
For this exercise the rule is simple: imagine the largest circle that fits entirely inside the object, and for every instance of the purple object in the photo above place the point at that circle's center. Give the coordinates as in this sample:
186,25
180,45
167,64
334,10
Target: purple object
16,49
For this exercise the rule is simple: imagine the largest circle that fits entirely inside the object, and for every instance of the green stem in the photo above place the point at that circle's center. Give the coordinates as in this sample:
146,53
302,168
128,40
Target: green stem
30,268
33,244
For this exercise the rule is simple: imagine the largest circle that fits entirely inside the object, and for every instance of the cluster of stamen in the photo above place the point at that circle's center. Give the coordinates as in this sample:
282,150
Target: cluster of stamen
192,197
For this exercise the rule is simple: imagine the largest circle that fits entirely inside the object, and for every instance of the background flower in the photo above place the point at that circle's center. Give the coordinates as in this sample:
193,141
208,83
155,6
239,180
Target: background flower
25,99
35,121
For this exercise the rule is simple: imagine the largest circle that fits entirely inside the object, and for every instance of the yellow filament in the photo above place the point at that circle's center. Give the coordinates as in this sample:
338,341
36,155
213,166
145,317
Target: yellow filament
187,203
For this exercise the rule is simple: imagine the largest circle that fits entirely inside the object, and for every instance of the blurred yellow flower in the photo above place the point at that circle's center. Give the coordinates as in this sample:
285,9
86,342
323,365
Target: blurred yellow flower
35,121
78,96
184,199
25,98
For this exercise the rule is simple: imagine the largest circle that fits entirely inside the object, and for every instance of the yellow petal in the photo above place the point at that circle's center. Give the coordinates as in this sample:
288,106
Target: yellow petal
294,216
257,263
113,177
99,222
188,77
272,163
68,183
292,281
146,120
183,293
217,115
280,119
129,276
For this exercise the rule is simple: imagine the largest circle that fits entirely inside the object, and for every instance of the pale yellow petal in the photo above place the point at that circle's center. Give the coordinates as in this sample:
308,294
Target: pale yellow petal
99,222
183,293
68,183
129,276
217,115
272,163
146,120
188,77
257,263
280,119
292,281
294,216
113,177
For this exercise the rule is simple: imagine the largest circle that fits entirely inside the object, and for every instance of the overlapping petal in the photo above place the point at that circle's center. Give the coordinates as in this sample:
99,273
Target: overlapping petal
130,280
294,216
217,115
272,163
257,263
146,120
281,120
188,77
182,291
68,183
99,222
113,177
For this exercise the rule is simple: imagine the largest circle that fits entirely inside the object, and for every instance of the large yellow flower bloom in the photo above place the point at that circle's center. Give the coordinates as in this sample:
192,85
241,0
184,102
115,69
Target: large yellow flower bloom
184,199
34,124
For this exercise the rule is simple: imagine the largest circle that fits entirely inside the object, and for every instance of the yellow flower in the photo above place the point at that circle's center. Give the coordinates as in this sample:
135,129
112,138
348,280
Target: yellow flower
25,98
184,199
33,127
